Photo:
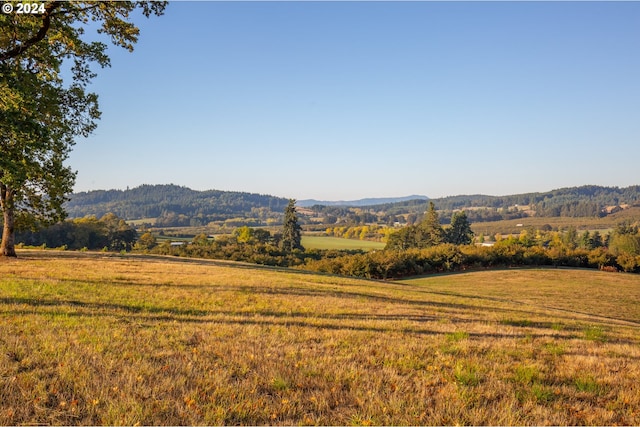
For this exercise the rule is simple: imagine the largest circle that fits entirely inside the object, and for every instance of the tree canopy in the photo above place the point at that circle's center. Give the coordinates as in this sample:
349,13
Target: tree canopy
460,232
40,115
428,232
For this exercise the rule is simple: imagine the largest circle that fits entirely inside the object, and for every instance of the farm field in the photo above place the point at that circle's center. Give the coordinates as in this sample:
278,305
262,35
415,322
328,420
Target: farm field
109,339
328,242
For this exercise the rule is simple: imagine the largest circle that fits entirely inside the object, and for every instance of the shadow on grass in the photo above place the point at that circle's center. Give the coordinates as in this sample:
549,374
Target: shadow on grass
313,291
343,321
337,293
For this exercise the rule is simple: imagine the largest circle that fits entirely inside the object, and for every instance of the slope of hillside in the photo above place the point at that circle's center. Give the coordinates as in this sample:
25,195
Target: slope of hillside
93,339
152,201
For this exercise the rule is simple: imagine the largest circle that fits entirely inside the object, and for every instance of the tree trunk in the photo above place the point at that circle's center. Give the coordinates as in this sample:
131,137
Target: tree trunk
8,247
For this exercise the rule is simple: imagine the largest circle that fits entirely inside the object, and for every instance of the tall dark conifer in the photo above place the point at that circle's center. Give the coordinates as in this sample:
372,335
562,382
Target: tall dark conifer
430,232
291,230
460,232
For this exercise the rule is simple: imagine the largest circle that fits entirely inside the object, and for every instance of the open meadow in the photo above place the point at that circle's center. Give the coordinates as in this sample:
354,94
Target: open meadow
122,339
339,243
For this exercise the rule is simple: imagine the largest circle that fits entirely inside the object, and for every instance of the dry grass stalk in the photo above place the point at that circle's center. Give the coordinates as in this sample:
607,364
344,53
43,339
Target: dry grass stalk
87,339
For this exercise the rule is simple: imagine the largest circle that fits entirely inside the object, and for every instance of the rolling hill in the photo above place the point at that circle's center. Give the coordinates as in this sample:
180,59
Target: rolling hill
157,201
91,339
181,206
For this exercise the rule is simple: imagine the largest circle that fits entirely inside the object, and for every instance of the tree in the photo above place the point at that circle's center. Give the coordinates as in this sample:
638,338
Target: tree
430,232
625,240
40,116
291,230
570,237
243,234
120,235
146,241
460,232
427,233
402,239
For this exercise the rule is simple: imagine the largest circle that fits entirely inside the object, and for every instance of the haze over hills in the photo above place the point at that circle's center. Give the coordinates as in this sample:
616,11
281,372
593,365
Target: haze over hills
360,202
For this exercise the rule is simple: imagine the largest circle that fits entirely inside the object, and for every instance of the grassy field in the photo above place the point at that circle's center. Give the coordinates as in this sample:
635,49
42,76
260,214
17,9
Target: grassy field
98,339
327,242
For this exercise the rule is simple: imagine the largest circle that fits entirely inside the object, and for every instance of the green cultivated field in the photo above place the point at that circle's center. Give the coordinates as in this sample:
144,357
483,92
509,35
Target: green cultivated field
108,339
327,242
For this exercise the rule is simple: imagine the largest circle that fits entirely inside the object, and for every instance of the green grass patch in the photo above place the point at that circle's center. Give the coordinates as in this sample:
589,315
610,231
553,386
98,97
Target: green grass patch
526,375
456,336
466,374
594,333
328,242
555,349
588,384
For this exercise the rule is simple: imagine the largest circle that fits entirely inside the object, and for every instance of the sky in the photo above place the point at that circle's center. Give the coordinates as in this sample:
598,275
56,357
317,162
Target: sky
347,100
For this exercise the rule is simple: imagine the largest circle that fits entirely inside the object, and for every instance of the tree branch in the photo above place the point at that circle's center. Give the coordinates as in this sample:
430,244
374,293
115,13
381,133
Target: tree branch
95,6
42,32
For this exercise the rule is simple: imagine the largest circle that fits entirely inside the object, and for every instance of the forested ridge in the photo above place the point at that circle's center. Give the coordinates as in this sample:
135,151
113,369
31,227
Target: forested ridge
560,202
171,201
177,205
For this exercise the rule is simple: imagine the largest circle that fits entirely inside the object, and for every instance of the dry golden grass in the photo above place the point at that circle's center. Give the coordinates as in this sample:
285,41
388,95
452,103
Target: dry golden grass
93,339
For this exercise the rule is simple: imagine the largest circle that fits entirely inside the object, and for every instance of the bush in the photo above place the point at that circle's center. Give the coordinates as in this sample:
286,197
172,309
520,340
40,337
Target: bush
628,262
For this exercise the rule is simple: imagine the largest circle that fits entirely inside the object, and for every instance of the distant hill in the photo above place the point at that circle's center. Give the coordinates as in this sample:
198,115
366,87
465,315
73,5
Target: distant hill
361,202
584,201
587,201
175,204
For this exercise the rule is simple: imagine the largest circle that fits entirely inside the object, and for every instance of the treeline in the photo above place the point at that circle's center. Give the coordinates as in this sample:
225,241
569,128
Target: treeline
246,244
256,246
585,202
107,233
615,251
619,251
429,232
572,201
175,206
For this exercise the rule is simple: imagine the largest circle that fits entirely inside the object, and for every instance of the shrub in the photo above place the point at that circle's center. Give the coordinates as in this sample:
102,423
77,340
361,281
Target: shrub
628,262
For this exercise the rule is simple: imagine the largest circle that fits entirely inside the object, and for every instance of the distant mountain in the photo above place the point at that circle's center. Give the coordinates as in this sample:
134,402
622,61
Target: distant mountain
361,202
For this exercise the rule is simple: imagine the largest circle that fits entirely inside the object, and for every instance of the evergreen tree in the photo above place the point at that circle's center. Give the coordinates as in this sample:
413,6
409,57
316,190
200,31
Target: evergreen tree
291,230
460,232
596,239
430,232
402,239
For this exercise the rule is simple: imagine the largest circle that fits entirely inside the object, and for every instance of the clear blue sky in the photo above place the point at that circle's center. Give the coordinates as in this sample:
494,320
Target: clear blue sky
345,100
